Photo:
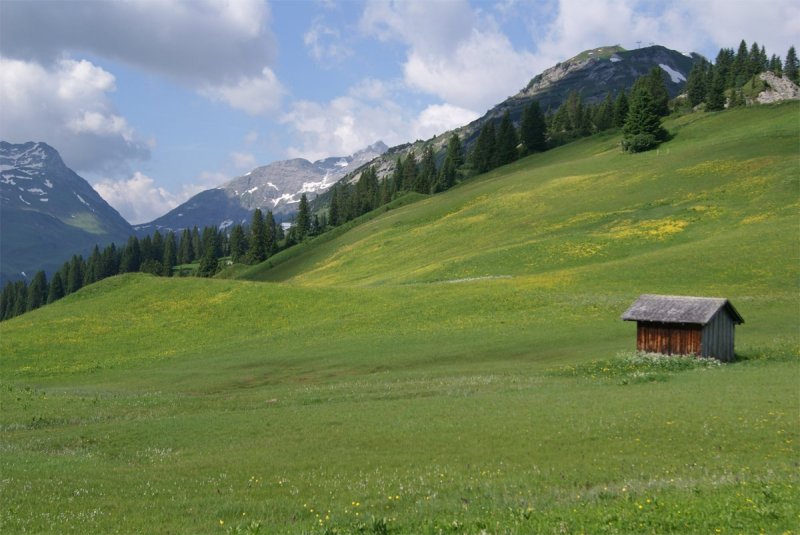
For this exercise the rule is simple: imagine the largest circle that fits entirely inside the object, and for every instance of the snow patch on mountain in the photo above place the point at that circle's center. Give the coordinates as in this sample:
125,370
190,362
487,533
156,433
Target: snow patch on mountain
676,76
48,183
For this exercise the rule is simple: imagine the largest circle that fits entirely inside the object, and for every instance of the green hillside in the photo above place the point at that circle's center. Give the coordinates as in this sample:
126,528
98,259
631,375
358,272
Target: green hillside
450,366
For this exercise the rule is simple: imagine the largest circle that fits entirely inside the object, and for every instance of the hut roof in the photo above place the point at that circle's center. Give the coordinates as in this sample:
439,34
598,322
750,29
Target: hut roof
678,309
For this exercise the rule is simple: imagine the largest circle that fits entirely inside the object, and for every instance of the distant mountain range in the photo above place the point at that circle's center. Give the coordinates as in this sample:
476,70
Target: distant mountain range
277,187
48,213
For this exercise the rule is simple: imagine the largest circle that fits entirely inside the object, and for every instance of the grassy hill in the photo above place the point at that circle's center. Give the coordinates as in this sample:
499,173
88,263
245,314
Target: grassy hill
449,366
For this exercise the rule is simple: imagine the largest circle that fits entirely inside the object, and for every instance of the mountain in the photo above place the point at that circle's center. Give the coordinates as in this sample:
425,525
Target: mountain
277,187
592,74
48,212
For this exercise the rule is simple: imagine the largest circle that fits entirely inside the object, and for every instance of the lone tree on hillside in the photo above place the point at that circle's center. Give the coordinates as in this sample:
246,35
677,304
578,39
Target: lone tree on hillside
642,130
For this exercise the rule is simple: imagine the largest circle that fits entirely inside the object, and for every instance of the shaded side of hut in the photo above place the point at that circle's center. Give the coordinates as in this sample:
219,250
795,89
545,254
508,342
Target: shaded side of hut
680,325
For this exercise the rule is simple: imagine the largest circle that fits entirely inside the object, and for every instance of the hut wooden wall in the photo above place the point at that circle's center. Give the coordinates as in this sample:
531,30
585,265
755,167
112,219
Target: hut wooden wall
668,338
718,337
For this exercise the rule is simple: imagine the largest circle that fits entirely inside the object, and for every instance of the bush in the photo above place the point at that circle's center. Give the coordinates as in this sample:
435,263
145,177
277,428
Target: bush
639,143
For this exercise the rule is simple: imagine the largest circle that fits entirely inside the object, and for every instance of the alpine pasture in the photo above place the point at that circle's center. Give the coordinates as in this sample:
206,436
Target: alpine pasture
454,365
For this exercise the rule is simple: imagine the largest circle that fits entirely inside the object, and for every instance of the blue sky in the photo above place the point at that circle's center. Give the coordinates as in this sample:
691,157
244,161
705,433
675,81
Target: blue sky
153,102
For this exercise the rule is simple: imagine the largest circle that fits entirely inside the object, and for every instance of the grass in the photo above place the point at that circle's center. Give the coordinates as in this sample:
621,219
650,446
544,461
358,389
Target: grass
364,391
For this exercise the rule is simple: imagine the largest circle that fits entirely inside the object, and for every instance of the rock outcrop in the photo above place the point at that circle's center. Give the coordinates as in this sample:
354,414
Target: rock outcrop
780,88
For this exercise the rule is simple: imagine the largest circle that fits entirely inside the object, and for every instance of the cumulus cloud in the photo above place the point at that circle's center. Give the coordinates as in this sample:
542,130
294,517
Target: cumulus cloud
684,26
452,61
254,95
199,42
243,160
139,200
325,45
69,108
347,124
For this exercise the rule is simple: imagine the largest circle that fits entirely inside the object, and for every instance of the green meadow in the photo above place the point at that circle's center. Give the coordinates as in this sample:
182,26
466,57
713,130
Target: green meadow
454,364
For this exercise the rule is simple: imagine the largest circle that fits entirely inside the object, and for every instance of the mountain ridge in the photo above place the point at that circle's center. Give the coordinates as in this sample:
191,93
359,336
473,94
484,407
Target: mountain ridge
48,212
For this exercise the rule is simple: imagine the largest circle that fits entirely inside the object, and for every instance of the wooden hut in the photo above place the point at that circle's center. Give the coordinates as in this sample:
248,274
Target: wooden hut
677,325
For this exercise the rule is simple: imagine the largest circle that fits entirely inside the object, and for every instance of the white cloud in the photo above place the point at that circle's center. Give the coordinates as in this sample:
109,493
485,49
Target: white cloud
347,124
453,61
254,95
139,200
461,78
68,107
325,45
198,42
243,160
439,118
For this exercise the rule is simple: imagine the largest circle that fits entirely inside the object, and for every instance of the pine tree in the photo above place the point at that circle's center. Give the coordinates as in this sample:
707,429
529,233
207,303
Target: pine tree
642,130
333,209
37,291
131,257
483,152
397,176
209,264
238,244
533,129
6,300
507,141
56,288
604,118
455,151
621,107
197,245
303,218
791,67
561,120
170,257
715,93
724,66
409,171
696,83
755,65
20,298
94,267
75,277
185,253
740,68
447,175
776,65
427,175
257,252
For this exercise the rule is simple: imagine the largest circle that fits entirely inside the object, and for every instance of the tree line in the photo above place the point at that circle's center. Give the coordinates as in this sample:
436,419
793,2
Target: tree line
719,84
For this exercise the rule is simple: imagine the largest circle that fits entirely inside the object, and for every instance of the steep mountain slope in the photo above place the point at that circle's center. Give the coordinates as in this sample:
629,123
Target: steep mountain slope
592,74
48,212
724,188
277,187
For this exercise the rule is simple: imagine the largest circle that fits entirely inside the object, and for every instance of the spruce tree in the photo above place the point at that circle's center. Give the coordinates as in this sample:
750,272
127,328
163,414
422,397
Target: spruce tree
271,233
642,130
6,300
197,245
257,252
740,67
455,151
561,120
20,298
37,291
427,175
238,244
696,83
715,93
507,141
303,218
185,252
170,257
755,65
56,288
94,267
791,66
447,175
604,118
621,107
533,129
483,152
776,65
209,264
131,257
397,176
658,90
333,209
409,171
75,277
